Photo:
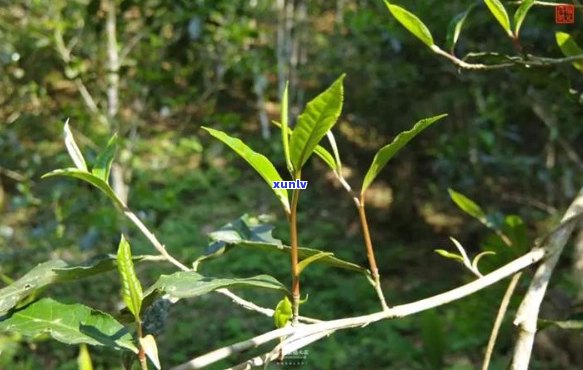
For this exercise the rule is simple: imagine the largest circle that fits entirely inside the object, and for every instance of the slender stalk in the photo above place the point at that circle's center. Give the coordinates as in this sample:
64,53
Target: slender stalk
499,318
293,230
141,353
370,251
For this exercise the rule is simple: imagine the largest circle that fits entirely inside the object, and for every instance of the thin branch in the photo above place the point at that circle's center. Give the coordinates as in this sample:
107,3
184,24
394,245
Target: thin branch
541,3
527,315
499,318
295,333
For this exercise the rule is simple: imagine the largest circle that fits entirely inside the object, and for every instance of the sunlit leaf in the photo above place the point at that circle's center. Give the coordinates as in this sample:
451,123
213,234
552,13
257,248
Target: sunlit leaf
569,47
467,205
104,160
318,118
131,287
259,162
411,23
455,28
68,323
284,128
384,155
320,150
283,313
73,149
500,14
520,15
91,179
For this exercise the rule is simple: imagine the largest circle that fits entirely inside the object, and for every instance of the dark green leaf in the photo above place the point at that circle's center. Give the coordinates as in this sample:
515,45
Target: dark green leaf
515,229
68,323
500,14
187,284
411,23
520,14
318,118
56,271
73,149
569,47
131,287
455,28
259,162
90,178
434,339
249,233
105,159
387,152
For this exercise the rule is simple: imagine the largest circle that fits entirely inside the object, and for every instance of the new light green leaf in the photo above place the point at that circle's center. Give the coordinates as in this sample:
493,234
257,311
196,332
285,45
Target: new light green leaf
446,254
131,287
89,178
569,47
104,160
384,155
317,119
84,358
520,15
320,151
259,162
68,323
148,344
500,14
188,284
467,205
313,258
52,272
411,23
285,128
455,28
283,313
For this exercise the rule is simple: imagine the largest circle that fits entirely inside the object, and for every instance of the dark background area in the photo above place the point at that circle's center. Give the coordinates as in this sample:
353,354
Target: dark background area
511,142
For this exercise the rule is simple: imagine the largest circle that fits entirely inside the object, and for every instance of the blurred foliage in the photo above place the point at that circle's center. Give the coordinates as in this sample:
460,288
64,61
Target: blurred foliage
191,63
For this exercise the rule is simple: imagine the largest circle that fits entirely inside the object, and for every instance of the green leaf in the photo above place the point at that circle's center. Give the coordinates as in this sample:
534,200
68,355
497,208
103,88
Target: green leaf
387,152
84,358
515,229
520,14
467,205
313,258
131,287
569,47
259,162
411,23
73,149
446,254
91,179
283,313
105,159
434,339
563,324
455,28
318,118
285,128
188,284
51,272
320,150
500,14
250,233
68,323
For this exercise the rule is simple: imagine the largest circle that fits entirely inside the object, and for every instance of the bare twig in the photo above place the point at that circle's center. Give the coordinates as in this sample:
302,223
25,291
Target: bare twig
295,333
499,318
540,3
527,315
